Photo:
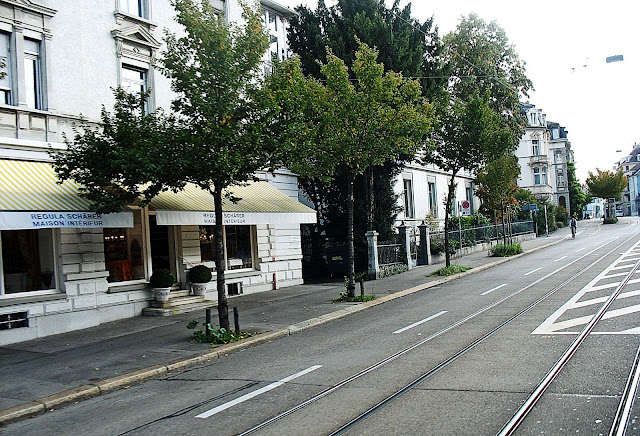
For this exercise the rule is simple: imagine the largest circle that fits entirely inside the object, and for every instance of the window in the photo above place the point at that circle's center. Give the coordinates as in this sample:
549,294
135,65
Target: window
32,73
408,199
5,56
238,246
134,80
124,253
433,199
536,147
27,261
139,8
539,176
469,190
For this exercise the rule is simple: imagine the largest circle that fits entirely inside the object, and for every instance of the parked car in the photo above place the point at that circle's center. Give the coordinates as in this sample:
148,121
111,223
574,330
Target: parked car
619,213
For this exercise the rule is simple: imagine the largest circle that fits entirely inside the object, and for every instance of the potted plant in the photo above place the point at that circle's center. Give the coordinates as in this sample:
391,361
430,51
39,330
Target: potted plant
161,281
199,276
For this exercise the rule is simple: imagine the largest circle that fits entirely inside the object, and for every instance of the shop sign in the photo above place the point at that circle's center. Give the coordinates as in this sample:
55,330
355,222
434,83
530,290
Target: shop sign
49,220
199,218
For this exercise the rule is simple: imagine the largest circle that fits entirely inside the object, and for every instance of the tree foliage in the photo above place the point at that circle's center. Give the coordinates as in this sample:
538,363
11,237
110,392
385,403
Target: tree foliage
496,183
606,184
577,197
124,159
355,124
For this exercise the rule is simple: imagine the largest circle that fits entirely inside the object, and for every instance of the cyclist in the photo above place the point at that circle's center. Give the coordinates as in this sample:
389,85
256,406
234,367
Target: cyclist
574,226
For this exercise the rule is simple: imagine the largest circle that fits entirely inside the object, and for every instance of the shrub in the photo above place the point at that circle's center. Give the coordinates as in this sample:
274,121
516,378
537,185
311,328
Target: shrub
611,220
504,250
162,278
450,270
199,274
217,336
390,270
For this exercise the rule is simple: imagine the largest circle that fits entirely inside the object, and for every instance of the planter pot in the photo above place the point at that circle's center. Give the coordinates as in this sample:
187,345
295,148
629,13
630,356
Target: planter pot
198,288
161,294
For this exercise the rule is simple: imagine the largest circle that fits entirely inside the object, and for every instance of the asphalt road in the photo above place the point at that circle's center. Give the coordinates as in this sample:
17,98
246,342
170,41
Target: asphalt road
469,353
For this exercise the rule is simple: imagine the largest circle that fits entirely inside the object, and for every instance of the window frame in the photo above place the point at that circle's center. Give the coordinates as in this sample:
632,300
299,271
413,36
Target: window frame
433,198
146,251
144,8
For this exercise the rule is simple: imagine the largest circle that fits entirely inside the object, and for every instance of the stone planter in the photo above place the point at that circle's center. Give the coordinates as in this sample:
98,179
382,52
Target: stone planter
198,288
161,294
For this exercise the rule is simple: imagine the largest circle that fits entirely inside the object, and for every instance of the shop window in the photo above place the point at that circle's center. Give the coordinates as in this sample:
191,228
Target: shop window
27,261
124,253
238,246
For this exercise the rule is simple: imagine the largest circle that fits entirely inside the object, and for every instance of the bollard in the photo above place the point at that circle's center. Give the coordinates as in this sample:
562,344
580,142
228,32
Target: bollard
236,319
362,289
207,322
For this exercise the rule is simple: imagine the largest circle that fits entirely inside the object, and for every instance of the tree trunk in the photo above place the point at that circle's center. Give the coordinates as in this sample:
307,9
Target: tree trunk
350,250
223,308
447,209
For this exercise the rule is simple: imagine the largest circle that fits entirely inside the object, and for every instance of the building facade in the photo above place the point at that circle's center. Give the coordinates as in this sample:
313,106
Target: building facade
63,267
543,154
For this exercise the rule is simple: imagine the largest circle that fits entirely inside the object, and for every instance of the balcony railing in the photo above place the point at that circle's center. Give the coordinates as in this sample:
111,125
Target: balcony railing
539,160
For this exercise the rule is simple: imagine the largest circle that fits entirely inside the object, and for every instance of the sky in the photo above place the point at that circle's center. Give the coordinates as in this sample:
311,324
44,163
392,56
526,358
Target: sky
565,44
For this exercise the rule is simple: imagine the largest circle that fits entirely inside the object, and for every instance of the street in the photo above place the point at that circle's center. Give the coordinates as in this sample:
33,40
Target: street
456,359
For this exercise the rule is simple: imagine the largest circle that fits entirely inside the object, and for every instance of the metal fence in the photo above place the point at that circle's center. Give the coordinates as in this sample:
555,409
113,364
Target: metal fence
468,237
389,253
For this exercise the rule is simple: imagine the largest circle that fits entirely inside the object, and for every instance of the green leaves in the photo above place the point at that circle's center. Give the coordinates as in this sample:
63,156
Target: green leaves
606,184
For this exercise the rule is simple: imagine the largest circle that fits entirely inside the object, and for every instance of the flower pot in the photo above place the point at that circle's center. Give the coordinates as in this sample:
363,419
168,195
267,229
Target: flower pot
161,294
198,288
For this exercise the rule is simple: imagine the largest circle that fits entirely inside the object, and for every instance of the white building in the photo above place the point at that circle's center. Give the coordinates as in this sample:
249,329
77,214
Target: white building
536,172
543,154
423,190
63,268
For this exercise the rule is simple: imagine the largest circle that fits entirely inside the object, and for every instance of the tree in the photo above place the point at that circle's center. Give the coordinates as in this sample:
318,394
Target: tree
606,184
496,183
218,138
404,44
482,60
356,124
467,135
126,159
577,197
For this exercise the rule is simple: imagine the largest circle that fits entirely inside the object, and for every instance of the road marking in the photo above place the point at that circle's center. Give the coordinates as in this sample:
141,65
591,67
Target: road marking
531,272
580,249
560,258
494,289
257,392
404,329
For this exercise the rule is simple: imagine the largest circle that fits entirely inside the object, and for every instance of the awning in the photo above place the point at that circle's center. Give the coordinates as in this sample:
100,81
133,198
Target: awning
259,203
31,198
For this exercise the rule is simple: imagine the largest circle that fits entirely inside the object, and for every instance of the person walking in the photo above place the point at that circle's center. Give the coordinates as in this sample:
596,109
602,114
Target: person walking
574,226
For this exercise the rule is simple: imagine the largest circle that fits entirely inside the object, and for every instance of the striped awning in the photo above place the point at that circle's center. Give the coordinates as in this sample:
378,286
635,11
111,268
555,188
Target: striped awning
258,203
30,197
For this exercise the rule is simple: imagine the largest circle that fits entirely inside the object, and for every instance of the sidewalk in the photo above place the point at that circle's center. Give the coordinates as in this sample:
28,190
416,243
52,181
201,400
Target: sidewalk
41,374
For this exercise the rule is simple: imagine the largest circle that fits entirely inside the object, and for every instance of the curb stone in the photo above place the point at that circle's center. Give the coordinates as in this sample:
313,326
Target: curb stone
86,391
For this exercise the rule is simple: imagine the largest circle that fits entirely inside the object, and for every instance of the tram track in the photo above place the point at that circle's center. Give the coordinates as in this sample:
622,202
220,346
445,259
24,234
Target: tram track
425,375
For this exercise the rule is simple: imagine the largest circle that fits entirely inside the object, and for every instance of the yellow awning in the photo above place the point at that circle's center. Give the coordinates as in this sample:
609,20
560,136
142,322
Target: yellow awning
31,198
259,203
32,186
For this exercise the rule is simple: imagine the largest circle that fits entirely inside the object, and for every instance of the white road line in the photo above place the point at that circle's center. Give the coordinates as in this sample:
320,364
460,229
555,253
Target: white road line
580,249
560,258
494,289
404,329
255,393
585,319
531,272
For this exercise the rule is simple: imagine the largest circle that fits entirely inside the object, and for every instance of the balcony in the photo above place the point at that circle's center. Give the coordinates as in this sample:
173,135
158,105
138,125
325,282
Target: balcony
541,160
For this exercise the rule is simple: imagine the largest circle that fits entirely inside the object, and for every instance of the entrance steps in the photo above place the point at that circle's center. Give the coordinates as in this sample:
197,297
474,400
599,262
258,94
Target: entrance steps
179,302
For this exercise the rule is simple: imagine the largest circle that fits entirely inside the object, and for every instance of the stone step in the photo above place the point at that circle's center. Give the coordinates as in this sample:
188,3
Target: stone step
176,310
179,293
178,301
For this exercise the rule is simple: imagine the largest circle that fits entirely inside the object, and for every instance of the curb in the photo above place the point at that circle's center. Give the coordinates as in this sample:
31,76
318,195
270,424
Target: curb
86,391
